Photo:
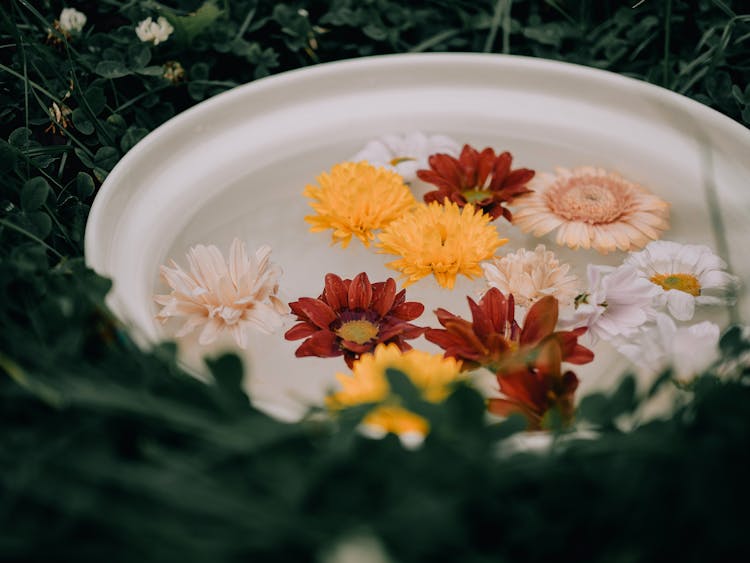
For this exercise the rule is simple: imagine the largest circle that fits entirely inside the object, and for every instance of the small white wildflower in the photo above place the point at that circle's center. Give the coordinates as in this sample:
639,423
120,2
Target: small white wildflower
405,154
71,20
150,31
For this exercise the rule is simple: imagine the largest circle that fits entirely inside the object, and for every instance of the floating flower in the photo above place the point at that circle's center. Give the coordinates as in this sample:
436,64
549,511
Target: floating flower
443,240
432,374
534,390
357,199
618,302
494,336
529,276
405,154
71,21
484,180
683,275
223,297
150,31
689,350
592,208
351,317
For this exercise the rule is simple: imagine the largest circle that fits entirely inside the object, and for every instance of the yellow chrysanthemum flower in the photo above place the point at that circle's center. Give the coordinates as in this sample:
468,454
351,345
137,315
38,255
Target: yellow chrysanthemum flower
356,198
443,240
431,373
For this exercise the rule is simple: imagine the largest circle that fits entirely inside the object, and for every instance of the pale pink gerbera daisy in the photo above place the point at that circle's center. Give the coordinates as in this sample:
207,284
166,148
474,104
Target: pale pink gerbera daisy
529,276
592,208
223,297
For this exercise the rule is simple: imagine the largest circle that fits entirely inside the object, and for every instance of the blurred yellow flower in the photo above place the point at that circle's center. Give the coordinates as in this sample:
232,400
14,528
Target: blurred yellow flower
432,374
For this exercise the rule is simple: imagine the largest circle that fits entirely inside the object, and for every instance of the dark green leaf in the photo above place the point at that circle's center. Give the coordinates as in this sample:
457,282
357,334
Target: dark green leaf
84,185
131,137
34,193
82,122
112,69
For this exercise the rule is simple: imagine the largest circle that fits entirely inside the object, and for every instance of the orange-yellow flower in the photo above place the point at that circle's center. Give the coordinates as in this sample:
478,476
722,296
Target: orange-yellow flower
356,199
442,240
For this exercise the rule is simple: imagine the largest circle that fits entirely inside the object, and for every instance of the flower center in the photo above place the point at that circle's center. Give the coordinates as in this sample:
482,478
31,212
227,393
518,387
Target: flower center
681,282
399,159
588,199
360,331
475,195
229,315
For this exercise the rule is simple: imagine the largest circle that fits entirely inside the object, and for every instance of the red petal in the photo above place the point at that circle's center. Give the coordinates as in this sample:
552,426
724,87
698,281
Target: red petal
518,178
524,387
318,312
436,179
335,292
500,170
573,352
444,316
357,348
323,344
484,167
497,308
301,330
383,296
540,321
408,311
360,292
448,168
481,321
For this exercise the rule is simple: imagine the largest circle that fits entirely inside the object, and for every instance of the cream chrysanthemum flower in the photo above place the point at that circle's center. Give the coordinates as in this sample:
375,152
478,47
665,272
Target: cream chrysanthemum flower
592,208
150,31
443,240
432,374
223,297
529,276
71,20
356,199
684,275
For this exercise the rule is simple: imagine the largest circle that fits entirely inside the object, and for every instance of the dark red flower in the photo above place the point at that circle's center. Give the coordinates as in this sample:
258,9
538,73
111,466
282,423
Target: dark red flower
482,179
351,317
537,387
494,335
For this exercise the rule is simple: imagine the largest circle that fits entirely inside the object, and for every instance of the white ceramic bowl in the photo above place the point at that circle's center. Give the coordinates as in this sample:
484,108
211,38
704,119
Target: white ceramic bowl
235,165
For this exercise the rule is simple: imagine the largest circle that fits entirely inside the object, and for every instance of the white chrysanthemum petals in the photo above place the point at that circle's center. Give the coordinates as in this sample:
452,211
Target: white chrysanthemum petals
409,152
218,296
687,350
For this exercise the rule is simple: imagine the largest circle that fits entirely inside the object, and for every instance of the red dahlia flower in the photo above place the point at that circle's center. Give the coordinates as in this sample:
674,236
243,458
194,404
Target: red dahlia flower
482,179
493,336
534,389
351,317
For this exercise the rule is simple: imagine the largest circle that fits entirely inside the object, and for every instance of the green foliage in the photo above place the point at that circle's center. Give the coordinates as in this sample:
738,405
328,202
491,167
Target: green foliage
109,449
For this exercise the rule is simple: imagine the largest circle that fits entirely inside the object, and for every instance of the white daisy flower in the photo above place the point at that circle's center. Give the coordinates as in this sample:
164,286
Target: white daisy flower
223,297
150,31
529,276
71,20
617,303
688,350
405,154
684,275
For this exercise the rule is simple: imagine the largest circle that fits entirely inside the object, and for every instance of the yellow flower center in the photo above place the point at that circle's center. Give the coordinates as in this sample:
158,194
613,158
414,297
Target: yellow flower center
360,331
475,195
400,159
681,282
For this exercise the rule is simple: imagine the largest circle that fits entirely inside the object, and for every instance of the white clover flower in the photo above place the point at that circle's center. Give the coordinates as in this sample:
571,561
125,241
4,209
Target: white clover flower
529,276
405,154
150,31
223,297
688,350
684,275
71,20
617,303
